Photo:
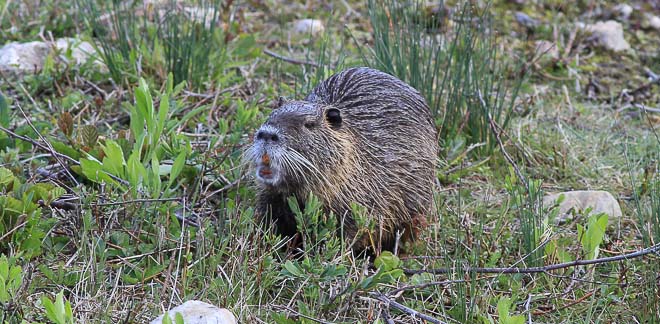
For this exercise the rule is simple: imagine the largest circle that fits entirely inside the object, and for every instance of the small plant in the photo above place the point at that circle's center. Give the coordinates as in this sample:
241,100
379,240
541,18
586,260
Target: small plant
21,225
11,278
503,310
59,312
139,167
592,236
389,271
527,202
178,318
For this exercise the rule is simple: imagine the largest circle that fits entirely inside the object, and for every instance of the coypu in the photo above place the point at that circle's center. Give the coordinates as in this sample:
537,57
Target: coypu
360,136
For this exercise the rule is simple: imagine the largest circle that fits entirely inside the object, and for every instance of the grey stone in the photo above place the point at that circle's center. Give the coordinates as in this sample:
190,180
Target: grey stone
623,10
308,26
198,312
653,21
525,20
580,200
609,34
21,58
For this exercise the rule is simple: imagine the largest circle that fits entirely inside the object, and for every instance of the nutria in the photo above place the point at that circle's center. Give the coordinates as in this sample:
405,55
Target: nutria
361,136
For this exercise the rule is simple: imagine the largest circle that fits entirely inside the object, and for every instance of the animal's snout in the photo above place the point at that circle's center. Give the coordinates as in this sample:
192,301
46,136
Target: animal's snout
267,136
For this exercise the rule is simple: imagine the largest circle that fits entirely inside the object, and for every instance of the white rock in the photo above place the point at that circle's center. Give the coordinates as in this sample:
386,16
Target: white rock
580,200
20,58
624,10
308,26
654,22
609,34
197,312
17,57
80,51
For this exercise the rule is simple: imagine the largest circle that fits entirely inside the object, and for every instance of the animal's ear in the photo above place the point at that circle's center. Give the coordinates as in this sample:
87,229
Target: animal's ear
280,101
333,116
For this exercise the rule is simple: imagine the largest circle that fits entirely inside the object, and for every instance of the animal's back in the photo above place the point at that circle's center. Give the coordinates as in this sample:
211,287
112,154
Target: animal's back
397,136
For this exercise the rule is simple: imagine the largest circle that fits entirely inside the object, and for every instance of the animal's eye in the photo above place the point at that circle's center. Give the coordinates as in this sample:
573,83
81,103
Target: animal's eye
333,116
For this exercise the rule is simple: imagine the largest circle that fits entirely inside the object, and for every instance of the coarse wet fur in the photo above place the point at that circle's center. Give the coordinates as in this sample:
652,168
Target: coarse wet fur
361,136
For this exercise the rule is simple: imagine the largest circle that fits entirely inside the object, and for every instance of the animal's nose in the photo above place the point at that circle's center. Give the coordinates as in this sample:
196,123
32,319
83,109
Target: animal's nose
265,135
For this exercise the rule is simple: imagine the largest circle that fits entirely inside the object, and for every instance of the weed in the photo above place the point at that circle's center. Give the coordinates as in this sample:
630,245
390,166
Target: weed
451,74
135,38
59,312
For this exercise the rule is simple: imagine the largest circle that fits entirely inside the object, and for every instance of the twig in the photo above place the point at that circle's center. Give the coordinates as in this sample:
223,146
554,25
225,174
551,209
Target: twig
56,154
385,314
633,255
289,60
640,106
428,284
12,230
115,203
655,79
39,145
575,302
228,186
289,309
494,127
415,314
47,145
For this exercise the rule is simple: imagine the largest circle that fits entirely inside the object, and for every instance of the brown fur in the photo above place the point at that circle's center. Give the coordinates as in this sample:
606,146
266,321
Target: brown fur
380,154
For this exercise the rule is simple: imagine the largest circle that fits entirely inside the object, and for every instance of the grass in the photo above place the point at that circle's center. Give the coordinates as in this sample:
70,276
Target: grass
454,71
157,210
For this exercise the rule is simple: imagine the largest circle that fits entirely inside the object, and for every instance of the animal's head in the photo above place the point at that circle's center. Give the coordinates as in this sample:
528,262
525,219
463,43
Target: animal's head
299,143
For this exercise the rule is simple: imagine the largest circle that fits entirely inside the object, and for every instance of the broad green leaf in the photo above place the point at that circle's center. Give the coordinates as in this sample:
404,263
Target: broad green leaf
137,122
136,172
169,84
6,176
93,170
50,309
178,318
4,112
155,177
503,310
65,149
179,162
162,118
594,234
293,269
387,260
113,161
47,192
145,104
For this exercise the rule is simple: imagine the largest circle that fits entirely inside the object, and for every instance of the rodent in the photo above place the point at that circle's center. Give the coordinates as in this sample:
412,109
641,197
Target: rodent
360,136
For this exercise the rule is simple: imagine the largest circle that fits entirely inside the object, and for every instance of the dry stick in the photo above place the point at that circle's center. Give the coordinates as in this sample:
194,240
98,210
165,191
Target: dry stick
415,314
228,186
575,302
37,144
136,201
54,153
430,284
50,148
288,59
494,127
655,79
289,309
629,256
385,314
